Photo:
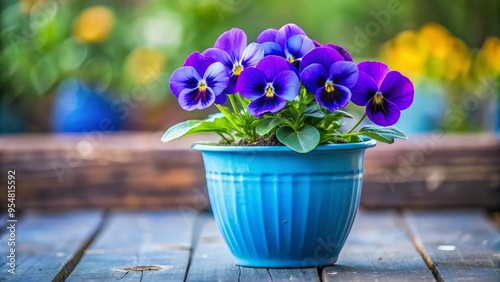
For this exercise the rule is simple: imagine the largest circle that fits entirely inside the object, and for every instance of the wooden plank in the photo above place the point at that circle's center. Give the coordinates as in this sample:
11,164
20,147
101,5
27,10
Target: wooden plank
212,261
434,171
48,246
100,170
139,246
84,171
459,245
378,249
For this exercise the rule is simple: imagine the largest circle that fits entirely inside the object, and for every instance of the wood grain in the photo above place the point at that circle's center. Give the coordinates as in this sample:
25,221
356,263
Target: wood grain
460,246
378,249
212,261
134,170
139,246
48,246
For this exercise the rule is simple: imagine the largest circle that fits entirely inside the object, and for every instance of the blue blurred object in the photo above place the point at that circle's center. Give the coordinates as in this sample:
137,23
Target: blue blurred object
279,208
426,112
77,109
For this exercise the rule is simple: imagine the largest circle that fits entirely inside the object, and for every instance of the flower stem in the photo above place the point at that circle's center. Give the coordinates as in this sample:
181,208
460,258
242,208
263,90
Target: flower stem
356,125
233,103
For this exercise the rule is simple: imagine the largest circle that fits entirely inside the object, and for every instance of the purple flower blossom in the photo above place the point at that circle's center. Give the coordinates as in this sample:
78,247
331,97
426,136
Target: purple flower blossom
343,52
385,93
231,49
199,82
289,42
325,73
270,84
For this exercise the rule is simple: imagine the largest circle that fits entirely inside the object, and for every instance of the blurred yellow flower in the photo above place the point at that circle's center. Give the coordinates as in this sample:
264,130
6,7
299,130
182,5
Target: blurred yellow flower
94,24
402,53
458,60
144,65
489,56
431,51
434,39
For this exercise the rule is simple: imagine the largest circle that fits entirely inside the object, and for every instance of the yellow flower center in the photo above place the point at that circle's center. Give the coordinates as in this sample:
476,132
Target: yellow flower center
291,59
202,86
269,92
237,70
378,99
329,87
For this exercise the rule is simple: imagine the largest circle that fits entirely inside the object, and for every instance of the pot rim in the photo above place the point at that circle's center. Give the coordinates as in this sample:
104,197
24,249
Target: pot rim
210,146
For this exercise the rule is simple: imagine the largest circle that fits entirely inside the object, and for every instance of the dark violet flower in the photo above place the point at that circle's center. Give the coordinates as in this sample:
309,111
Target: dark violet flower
289,42
385,93
231,49
270,84
325,73
199,82
343,52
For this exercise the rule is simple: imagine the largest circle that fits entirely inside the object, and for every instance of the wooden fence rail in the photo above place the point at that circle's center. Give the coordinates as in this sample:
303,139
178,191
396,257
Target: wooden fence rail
135,170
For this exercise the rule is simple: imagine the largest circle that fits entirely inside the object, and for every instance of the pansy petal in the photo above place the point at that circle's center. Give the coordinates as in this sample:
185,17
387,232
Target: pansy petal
220,56
383,114
231,88
339,98
299,45
364,90
191,99
217,77
323,55
286,85
398,89
252,54
316,43
314,77
344,73
268,35
271,48
199,62
272,65
376,70
263,104
233,42
184,78
286,32
251,83
221,99
341,51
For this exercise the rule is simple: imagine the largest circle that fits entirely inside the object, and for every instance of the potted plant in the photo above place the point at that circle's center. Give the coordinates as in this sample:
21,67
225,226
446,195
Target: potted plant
284,182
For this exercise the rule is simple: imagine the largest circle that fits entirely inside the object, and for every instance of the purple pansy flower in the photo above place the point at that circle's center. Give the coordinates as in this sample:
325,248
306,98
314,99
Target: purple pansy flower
343,52
199,82
270,84
289,42
325,73
385,93
231,49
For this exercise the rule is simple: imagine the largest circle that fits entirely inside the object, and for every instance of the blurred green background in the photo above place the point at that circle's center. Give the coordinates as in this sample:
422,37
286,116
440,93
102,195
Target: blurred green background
73,66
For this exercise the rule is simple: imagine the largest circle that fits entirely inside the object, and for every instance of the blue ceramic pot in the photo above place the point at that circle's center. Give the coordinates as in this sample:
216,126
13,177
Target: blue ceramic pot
279,208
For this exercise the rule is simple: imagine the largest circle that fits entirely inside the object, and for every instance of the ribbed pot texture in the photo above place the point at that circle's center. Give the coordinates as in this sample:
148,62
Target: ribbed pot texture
278,208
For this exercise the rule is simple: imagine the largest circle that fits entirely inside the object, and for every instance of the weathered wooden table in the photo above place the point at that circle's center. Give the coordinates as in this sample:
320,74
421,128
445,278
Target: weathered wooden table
180,245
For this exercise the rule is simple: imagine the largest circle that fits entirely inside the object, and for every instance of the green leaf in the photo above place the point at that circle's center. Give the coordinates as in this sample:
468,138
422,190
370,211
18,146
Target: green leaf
192,127
353,139
266,125
224,110
314,110
382,134
302,141
340,113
